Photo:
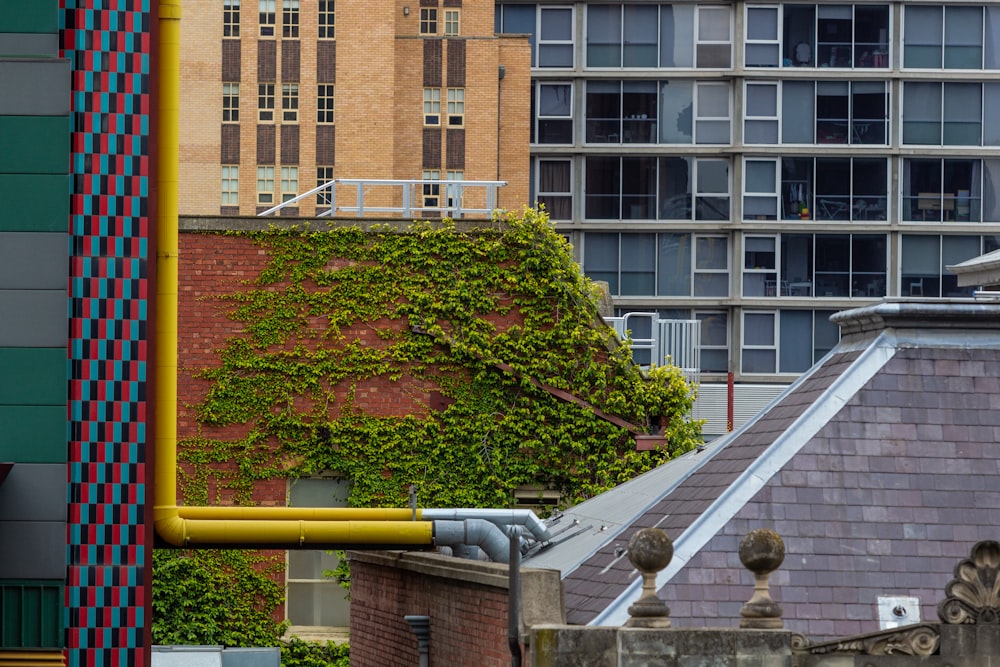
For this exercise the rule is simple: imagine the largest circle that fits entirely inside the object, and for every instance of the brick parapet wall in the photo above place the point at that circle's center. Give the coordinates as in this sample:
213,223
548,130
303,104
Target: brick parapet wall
467,602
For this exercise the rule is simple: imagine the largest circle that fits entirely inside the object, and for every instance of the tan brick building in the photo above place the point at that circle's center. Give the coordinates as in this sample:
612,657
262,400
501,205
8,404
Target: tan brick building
282,95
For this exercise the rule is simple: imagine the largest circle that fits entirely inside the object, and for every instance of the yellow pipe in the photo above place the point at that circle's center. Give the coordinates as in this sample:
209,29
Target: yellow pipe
238,526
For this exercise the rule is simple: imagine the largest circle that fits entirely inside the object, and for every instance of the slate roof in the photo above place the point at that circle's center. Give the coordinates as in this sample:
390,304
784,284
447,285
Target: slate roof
879,468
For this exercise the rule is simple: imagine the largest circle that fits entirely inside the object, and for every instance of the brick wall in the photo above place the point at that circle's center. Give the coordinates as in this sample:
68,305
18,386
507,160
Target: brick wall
466,601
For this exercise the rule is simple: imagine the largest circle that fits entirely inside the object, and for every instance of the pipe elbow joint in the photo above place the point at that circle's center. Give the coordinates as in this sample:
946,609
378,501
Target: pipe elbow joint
169,526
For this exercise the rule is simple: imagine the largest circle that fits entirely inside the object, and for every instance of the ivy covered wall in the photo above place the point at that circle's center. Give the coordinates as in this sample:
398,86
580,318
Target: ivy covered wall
464,363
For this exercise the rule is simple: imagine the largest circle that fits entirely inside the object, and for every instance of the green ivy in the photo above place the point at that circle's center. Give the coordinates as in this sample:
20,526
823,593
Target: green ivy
292,378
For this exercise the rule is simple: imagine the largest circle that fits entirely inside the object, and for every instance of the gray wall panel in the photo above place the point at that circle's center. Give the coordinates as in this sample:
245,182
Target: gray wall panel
28,44
34,260
33,318
34,492
34,88
32,549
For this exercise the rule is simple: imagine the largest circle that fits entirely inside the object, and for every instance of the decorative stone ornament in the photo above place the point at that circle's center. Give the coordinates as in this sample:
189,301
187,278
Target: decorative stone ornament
650,550
973,596
762,552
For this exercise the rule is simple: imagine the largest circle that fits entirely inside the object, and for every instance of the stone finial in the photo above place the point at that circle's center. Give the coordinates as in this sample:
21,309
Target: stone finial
649,550
761,552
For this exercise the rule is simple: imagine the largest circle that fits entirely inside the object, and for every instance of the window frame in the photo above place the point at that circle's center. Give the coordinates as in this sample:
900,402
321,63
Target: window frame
559,45
545,196
230,185
452,22
325,101
876,58
265,184
431,192
943,44
909,277
267,17
989,107
542,120
324,174
231,19
428,20
432,107
289,182
455,106
265,102
290,19
289,103
327,19
230,102
700,41
759,42
774,346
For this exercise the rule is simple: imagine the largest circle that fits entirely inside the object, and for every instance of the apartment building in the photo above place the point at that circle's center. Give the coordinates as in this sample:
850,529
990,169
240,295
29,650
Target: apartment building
281,96
758,166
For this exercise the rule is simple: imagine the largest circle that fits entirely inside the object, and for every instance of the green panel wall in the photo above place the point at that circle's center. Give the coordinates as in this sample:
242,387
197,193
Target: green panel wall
31,614
33,376
34,145
34,202
33,16
33,434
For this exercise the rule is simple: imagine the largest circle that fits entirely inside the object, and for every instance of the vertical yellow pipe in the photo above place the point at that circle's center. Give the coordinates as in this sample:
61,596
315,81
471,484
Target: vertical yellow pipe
165,347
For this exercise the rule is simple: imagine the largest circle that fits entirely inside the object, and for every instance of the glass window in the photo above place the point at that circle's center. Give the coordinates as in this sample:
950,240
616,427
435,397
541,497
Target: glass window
760,276
677,36
713,47
265,102
289,183
432,106
676,112
230,103
759,342
761,108
762,46
600,258
554,116
834,189
675,188
947,113
805,337
431,191
230,185
638,188
265,184
603,194
952,37
963,104
714,341
712,113
428,21
267,14
555,188
290,102
943,190
324,198
639,36
963,37
519,20
451,22
674,275
555,36
604,38
230,18
324,103
798,105
711,266
327,19
638,264
760,199
456,107
314,598
290,18
712,189
837,36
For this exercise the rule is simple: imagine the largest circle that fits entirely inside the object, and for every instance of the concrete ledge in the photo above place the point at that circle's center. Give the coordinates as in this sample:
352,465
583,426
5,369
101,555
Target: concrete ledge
226,223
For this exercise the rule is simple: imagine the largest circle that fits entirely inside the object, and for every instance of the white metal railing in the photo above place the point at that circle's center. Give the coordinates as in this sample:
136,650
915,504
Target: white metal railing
410,197
657,341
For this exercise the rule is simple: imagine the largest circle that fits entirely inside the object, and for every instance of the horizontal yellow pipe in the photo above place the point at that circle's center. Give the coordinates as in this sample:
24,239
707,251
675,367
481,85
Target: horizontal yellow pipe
297,513
34,658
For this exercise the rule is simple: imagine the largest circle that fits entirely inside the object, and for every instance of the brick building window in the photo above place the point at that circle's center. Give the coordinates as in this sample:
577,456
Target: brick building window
265,102
290,102
324,175
454,192
432,191
315,599
327,19
230,18
289,18
456,107
432,106
324,103
289,183
268,14
428,21
230,185
230,103
265,184
451,21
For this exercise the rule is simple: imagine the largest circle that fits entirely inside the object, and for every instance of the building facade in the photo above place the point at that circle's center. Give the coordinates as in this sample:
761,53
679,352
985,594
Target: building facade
759,166
282,96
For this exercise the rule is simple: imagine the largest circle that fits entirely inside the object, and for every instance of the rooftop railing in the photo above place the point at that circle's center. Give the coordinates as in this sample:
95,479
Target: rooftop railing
406,198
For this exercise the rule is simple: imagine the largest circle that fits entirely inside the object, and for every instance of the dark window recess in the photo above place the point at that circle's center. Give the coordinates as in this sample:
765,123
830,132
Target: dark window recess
456,63
265,144
452,3
290,61
325,143
231,210
432,148
230,60
289,144
267,61
230,143
428,3
432,63
289,212
326,61
456,149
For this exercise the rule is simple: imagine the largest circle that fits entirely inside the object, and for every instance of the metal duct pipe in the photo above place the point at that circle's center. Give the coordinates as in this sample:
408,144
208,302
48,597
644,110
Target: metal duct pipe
498,517
514,597
479,532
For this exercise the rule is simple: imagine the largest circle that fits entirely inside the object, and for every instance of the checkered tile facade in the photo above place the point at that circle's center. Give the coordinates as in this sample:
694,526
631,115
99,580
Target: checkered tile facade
107,606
